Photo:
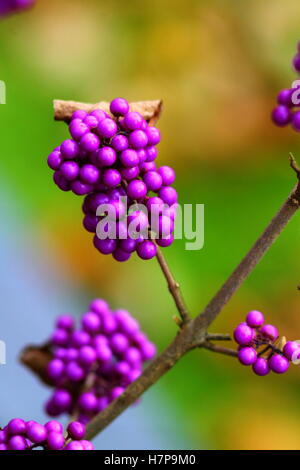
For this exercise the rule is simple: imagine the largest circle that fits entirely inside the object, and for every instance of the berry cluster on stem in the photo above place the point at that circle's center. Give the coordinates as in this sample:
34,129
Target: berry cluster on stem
111,160
288,102
259,346
92,366
29,435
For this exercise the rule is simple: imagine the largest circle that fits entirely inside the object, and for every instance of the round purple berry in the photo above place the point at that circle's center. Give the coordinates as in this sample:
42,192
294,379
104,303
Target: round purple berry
281,115
76,430
153,135
269,331
261,366
119,142
255,319
36,433
133,121
107,128
55,160
129,158
243,334
106,156
279,364
111,178
146,250
247,356
136,189
119,107
291,350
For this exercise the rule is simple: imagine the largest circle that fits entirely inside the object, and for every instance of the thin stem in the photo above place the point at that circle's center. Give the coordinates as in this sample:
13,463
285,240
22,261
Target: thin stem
173,286
218,337
220,349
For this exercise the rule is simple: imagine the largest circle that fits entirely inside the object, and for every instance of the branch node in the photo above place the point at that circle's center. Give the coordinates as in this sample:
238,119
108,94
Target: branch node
178,321
294,165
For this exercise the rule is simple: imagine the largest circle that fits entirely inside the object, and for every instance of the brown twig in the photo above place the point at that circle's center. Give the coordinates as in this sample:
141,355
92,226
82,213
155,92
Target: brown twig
194,333
173,286
218,337
220,349
63,110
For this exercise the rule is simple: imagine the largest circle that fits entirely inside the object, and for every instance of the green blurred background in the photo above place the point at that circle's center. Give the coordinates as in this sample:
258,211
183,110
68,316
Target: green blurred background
218,66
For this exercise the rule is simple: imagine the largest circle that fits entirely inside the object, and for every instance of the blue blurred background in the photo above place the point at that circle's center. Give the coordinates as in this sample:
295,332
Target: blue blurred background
218,66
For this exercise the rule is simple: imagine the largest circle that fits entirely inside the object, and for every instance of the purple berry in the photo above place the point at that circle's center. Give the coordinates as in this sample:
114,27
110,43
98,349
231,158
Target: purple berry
91,122
119,343
146,250
291,350
88,402
98,114
107,128
167,174
81,189
261,367
153,135
76,430
106,156
153,180
74,372
133,121
284,97
91,322
90,142
255,319
106,247
111,178
78,129
55,369
69,170
36,433
87,356
269,331
55,160
119,142
55,440
168,195
247,356
119,107
17,443
136,189
151,154
89,174
243,334
16,426
79,114
54,426
138,139
69,149
278,364
281,115
129,158
74,445
296,121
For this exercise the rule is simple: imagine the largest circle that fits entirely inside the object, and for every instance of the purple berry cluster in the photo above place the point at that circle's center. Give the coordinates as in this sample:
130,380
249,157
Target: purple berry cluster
288,102
28,435
93,365
110,157
7,7
258,346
